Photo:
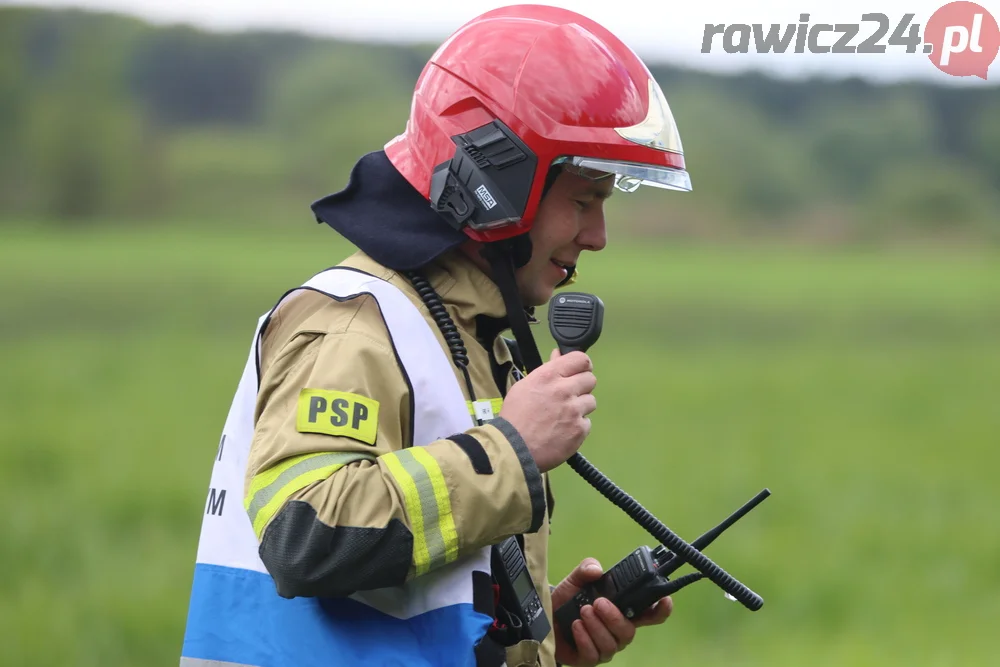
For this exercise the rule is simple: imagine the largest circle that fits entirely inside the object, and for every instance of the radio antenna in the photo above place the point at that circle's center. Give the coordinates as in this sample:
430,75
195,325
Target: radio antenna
672,563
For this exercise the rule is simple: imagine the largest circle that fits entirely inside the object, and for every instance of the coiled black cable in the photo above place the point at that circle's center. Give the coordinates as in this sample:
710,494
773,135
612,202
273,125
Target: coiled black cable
447,326
664,535
681,582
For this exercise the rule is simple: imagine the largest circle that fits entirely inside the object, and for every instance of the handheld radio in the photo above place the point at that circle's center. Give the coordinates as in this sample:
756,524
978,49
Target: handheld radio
518,596
641,578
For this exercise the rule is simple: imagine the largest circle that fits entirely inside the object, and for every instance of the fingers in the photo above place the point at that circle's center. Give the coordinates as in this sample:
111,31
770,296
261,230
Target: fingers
582,383
573,363
614,620
587,571
601,638
602,629
585,649
656,614
601,632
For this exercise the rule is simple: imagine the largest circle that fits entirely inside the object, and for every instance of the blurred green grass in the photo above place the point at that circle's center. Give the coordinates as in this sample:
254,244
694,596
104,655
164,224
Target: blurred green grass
859,386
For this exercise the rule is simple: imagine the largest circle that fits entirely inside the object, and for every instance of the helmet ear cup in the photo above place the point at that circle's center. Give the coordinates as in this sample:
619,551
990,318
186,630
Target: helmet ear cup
487,182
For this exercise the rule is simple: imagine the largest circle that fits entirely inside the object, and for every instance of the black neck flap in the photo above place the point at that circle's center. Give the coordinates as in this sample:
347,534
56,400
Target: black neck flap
501,256
383,215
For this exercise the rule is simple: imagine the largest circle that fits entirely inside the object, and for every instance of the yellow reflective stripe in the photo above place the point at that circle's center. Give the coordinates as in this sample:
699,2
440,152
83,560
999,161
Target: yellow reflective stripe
270,488
300,482
411,498
446,520
266,477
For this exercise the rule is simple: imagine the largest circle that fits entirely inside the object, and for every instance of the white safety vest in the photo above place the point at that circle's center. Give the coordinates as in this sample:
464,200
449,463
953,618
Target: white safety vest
236,617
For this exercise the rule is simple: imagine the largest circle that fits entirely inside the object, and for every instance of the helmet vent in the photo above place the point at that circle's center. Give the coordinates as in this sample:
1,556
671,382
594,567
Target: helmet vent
491,144
476,155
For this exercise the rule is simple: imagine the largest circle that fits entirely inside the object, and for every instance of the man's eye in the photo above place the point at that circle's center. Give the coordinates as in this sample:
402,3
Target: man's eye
582,204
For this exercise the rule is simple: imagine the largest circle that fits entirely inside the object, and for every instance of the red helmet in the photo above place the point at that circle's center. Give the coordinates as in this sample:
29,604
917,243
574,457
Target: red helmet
521,89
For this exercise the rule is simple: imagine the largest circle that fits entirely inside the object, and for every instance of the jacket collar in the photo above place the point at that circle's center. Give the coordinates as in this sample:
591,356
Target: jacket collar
473,298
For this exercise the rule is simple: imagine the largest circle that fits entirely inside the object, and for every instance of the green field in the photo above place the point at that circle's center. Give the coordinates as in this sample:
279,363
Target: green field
861,387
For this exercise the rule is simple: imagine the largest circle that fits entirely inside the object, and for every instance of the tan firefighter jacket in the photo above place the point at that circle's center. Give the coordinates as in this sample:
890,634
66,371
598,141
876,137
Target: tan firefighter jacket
356,524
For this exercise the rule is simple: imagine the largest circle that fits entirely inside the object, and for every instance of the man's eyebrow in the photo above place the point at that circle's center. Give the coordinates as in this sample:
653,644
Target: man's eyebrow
600,193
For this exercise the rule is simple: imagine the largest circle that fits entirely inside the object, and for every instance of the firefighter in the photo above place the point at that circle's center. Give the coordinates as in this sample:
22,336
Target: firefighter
385,435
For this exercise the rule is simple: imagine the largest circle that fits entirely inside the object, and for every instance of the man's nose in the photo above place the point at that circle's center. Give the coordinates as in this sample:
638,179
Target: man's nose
594,235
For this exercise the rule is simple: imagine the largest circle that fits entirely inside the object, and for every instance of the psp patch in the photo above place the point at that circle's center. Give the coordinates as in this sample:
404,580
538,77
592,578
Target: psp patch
337,413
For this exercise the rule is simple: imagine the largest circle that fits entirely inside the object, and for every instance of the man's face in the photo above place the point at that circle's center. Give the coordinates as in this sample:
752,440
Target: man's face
570,219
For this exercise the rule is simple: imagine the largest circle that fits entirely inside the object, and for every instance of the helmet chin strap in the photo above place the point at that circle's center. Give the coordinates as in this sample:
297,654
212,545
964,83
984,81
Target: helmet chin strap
502,256
505,257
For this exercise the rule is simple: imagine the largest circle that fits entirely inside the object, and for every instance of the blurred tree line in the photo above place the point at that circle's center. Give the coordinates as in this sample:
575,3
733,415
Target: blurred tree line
107,118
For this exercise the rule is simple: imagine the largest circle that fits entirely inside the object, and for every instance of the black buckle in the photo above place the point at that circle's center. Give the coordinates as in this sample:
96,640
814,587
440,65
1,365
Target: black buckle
450,198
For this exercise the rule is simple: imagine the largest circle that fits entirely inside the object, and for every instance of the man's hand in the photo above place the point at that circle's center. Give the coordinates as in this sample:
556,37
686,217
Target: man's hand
602,630
549,407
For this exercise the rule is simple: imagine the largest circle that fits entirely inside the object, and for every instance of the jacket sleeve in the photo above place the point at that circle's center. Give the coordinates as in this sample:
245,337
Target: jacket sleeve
341,504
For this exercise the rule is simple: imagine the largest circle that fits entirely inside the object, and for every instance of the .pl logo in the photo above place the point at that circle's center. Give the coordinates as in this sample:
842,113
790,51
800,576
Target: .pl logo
961,38
965,39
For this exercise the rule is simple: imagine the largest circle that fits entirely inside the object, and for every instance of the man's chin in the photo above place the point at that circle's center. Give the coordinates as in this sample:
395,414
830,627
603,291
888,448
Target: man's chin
537,292
539,296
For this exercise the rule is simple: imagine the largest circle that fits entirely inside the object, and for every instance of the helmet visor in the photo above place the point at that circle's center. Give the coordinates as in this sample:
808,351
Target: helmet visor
629,176
658,129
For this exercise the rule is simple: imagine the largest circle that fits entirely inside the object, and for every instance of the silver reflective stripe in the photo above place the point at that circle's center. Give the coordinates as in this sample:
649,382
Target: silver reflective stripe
197,662
313,462
428,505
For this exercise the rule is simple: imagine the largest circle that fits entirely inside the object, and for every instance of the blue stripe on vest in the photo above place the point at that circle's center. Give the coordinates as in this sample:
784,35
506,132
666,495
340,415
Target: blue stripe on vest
237,616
